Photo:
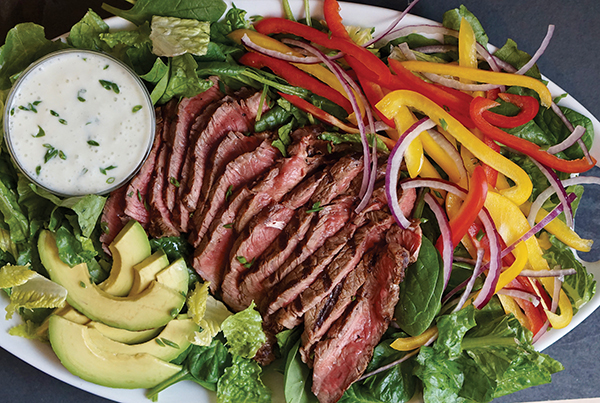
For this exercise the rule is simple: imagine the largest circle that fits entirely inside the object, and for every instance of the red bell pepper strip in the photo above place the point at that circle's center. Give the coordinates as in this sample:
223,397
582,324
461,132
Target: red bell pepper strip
296,77
535,314
529,108
331,11
405,79
480,240
377,70
316,112
457,93
492,94
374,94
470,208
480,105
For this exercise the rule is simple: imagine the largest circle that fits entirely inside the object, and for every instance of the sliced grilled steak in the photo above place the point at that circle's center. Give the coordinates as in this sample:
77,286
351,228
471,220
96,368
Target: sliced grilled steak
343,355
211,256
161,223
364,239
113,217
230,116
253,285
282,179
338,179
239,172
135,202
187,111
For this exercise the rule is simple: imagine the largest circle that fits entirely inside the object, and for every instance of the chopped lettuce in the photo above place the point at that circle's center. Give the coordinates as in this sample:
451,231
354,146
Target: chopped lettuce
241,383
30,290
244,333
206,312
175,36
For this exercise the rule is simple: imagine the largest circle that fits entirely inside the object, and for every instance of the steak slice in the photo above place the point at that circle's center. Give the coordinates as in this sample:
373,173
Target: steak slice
338,179
135,202
229,116
177,138
161,223
113,217
343,355
364,239
239,172
210,257
252,286
282,179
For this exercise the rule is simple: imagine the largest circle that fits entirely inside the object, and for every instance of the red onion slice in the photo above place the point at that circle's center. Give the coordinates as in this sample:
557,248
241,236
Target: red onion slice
447,247
278,55
471,282
436,49
392,25
495,263
559,189
569,125
393,168
575,135
527,296
556,294
539,52
548,273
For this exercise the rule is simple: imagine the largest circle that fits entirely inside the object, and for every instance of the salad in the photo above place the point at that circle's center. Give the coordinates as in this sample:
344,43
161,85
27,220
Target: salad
452,353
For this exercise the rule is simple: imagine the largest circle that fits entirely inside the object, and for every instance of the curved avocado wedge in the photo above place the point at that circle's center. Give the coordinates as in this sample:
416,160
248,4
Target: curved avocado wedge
130,247
152,308
175,276
168,345
72,344
125,336
146,271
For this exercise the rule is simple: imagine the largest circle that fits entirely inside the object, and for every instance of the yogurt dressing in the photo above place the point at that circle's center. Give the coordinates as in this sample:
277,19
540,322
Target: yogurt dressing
79,122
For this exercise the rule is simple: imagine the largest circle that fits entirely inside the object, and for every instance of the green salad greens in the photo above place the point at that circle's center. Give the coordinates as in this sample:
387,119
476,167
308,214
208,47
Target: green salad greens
478,354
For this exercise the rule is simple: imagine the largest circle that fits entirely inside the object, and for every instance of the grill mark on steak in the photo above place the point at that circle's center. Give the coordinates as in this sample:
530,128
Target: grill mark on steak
230,116
338,179
161,223
187,112
210,257
343,355
239,172
364,239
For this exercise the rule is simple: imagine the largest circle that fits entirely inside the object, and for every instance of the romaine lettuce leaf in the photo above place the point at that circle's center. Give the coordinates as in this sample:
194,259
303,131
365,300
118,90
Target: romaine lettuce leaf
86,34
143,10
244,333
172,36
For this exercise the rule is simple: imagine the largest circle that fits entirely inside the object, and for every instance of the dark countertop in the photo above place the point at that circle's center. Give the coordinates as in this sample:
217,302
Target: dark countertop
572,60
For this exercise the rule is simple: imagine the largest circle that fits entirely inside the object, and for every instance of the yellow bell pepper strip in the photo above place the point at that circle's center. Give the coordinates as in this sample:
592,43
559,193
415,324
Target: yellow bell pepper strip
519,193
411,343
316,70
467,50
558,321
483,76
510,306
413,156
513,271
479,105
561,230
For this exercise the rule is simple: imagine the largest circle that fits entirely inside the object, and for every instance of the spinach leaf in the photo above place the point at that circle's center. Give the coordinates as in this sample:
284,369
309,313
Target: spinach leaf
73,249
421,291
158,75
552,125
143,10
354,138
511,54
452,19
297,379
183,80
241,383
273,118
13,214
86,33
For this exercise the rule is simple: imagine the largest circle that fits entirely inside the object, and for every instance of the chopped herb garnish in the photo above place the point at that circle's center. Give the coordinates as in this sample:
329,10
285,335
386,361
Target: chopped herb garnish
82,284
159,342
443,124
62,155
446,108
30,107
315,208
80,95
228,225
174,312
136,108
139,196
229,192
104,227
54,113
245,261
40,133
170,343
38,169
12,112
110,180
51,152
105,67
174,182
108,168
437,194
93,143
84,171
109,85
480,235
62,121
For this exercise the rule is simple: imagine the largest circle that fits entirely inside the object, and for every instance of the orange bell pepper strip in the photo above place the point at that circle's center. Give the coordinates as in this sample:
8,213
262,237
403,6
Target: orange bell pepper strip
483,76
480,105
529,108
518,193
296,77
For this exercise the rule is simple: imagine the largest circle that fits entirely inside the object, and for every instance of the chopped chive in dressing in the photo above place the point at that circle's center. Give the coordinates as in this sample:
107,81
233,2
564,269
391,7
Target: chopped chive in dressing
109,85
40,133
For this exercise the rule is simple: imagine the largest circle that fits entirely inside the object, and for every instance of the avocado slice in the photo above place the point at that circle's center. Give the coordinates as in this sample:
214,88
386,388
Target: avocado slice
152,308
73,346
130,247
175,276
168,345
146,271
125,336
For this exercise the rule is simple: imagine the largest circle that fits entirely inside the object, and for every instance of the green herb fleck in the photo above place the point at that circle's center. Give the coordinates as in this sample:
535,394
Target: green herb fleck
437,194
315,208
54,113
229,192
108,168
139,196
84,171
228,225
105,67
109,85
136,108
110,180
12,112
174,312
80,95
51,152
40,133
170,343
62,155
104,227
443,124
62,121
446,108
174,182
30,107
159,342
38,169
82,284
245,261
480,235
93,143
